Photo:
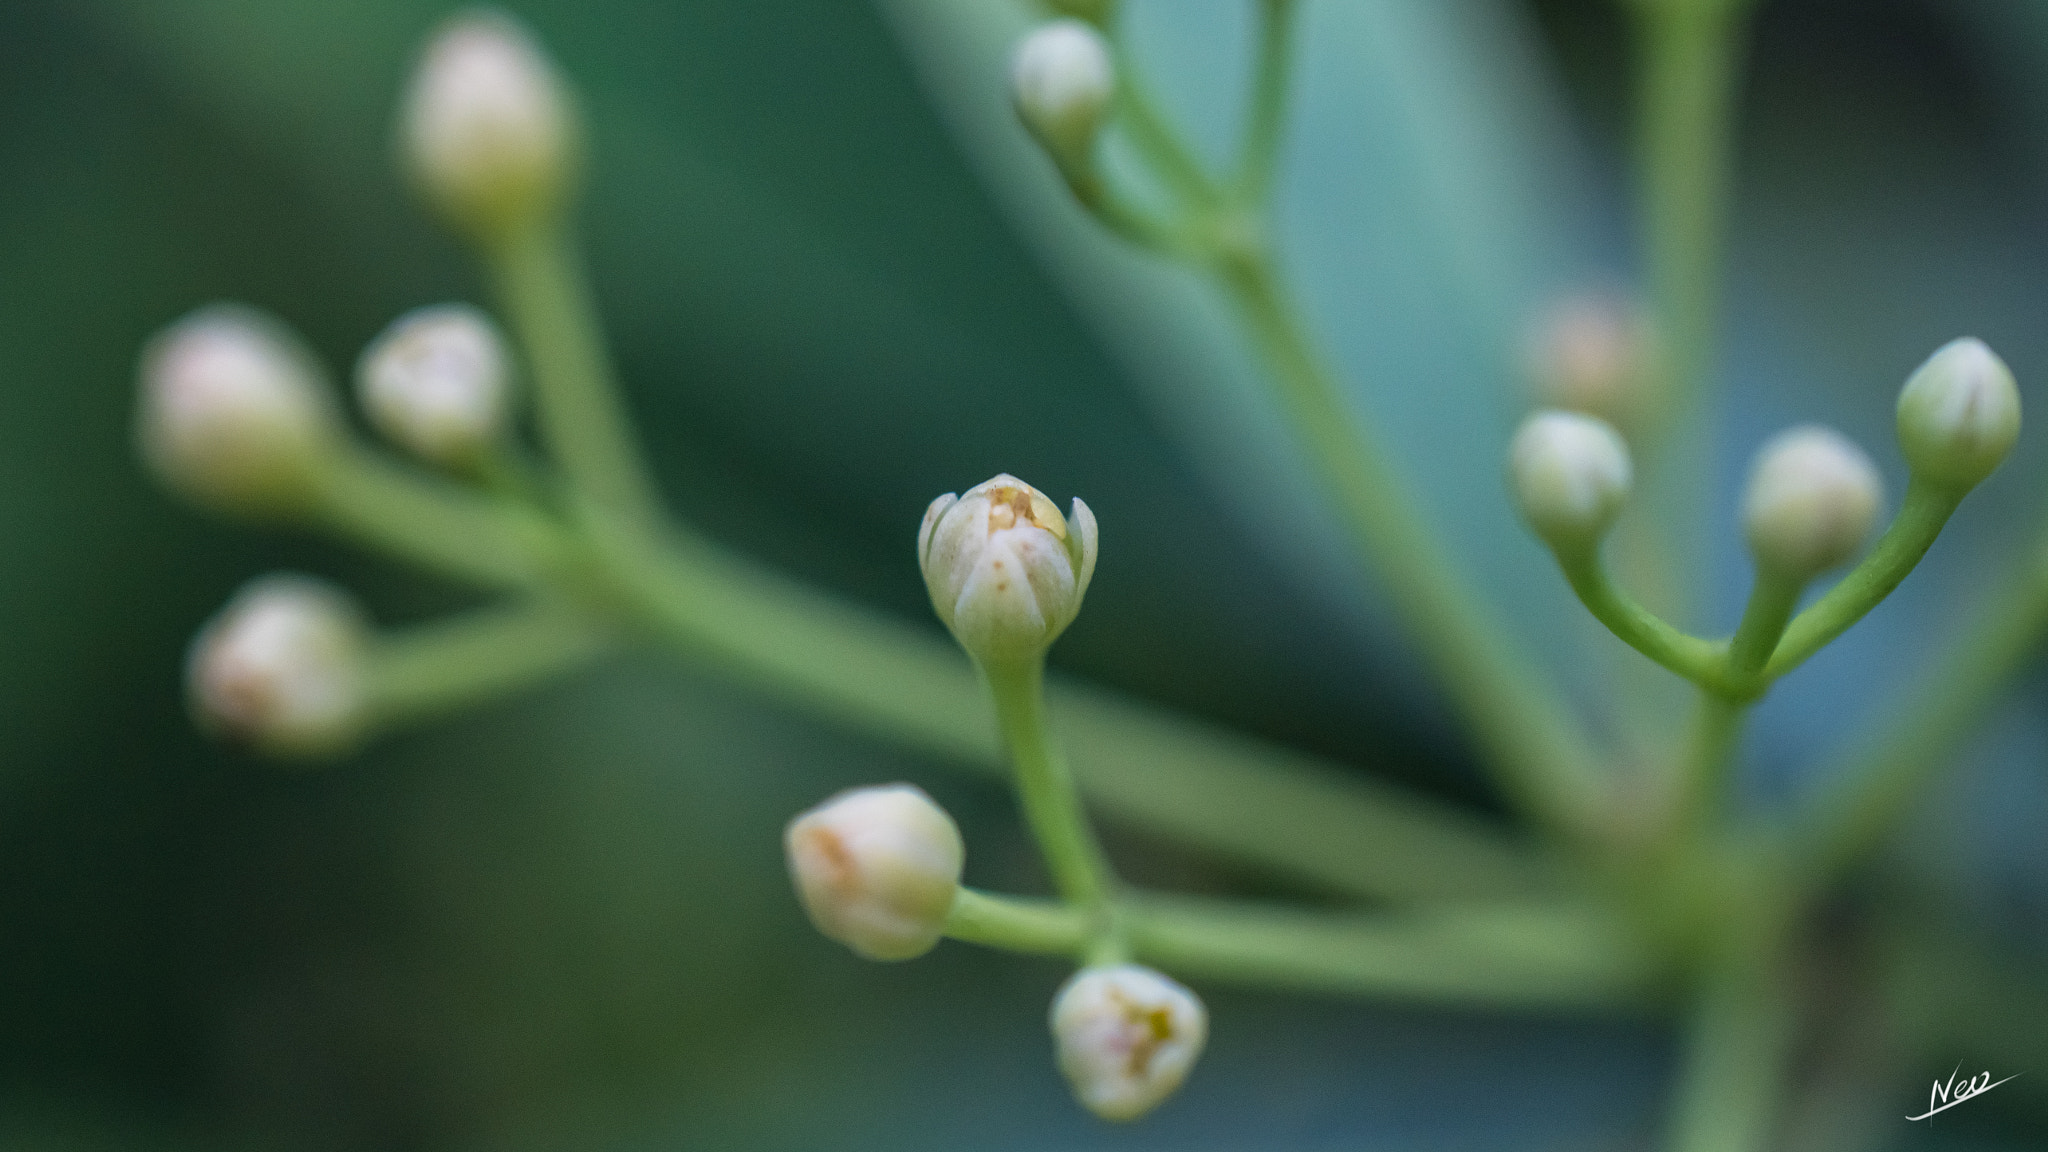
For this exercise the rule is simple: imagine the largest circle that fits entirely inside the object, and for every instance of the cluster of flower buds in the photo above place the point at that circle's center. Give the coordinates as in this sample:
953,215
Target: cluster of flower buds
877,869
1063,81
1813,495
1005,570
282,668
234,413
437,383
488,128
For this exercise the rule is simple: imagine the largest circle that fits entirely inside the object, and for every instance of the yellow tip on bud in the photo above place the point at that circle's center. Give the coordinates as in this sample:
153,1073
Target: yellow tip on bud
1005,570
1127,1037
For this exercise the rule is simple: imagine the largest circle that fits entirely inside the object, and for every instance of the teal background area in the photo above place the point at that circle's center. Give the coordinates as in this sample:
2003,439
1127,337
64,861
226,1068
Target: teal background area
561,921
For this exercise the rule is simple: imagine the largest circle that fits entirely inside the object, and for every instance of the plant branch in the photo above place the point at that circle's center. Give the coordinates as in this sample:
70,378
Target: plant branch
1539,957
483,654
1920,519
1266,121
583,424
1525,732
1045,787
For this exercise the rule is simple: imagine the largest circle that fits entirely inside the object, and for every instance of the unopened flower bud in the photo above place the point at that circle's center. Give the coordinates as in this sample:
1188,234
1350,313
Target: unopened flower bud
435,382
1959,415
877,869
488,130
282,668
1812,497
1005,570
1063,81
1590,354
1127,1037
233,411
1571,476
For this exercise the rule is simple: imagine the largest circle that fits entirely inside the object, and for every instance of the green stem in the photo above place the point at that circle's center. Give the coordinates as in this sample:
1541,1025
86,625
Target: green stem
1709,754
1737,1053
1506,956
576,402
1691,52
1154,136
1124,218
1926,510
448,529
1045,786
1524,731
1691,657
487,653
1772,599
1266,123
1725,697
1271,809
1871,792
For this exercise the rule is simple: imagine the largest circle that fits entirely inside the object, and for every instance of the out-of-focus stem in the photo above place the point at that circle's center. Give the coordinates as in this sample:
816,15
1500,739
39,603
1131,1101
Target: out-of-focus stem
1505,956
576,400
1690,57
1525,732
477,656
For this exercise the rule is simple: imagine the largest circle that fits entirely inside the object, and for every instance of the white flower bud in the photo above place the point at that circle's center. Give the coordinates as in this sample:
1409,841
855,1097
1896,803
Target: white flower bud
1005,570
487,128
282,667
435,382
1589,354
1571,475
233,411
877,869
1063,80
1812,497
1127,1037
1959,414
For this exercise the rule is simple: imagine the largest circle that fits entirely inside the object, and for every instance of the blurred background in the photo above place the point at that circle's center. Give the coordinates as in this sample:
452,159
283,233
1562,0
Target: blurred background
562,921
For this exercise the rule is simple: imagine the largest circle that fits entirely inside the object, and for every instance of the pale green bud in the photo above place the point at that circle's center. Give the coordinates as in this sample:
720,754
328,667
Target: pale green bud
1063,81
877,869
233,411
488,129
1812,498
1127,1037
1571,475
1005,570
437,382
1959,415
282,668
